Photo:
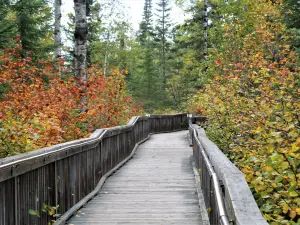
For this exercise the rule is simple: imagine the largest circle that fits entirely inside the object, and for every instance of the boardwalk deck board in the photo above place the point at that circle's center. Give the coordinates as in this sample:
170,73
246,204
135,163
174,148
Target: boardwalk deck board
156,186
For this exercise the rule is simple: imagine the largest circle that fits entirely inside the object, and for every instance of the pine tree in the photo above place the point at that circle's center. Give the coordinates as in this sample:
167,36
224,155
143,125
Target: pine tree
146,26
189,51
31,21
122,39
69,30
291,12
148,83
163,33
7,25
190,35
94,28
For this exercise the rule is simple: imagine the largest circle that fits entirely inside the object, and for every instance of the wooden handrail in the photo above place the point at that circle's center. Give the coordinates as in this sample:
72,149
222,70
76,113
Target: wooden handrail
64,174
232,193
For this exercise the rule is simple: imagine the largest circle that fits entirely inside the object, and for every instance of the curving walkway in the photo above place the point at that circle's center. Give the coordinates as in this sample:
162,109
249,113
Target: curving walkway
156,186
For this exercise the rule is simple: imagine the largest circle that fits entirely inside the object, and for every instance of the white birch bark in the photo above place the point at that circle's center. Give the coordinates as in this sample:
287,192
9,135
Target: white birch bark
57,28
81,30
106,54
205,29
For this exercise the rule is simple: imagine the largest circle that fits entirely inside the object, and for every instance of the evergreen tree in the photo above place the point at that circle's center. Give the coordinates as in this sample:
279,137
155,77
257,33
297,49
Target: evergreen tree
191,32
163,33
146,26
146,82
94,28
31,21
7,24
150,85
122,38
33,25
69,30
291,12
187,53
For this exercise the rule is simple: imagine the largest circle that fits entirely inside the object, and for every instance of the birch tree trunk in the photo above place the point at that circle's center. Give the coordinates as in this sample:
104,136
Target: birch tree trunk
81,31
205,29
57,28
205,24
164,45
105,68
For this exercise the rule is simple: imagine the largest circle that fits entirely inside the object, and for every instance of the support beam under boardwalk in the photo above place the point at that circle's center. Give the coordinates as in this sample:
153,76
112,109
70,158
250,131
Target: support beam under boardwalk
156,186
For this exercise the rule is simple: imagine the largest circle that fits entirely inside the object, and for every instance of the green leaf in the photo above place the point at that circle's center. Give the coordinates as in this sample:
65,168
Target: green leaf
34,212
285,165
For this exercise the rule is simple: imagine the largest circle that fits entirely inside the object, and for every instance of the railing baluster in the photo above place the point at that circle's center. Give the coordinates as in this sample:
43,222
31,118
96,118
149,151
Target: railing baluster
16,190
210,182
63,174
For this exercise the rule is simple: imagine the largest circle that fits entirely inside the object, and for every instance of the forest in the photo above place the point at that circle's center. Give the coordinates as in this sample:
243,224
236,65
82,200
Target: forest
235,62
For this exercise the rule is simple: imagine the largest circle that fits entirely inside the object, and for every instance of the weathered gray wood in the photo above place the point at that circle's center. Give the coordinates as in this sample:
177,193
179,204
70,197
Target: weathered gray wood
239,201
88,197
156,186
64,174
203,209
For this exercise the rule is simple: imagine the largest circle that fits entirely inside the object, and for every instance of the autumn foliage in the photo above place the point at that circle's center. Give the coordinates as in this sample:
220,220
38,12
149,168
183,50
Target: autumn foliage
253,106
39,104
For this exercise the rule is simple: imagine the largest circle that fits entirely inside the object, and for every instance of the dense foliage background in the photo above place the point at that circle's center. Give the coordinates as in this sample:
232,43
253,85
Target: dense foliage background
252,101
41,105
247,85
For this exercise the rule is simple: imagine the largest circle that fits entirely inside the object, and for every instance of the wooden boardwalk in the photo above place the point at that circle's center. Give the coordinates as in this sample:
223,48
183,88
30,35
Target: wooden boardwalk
156,186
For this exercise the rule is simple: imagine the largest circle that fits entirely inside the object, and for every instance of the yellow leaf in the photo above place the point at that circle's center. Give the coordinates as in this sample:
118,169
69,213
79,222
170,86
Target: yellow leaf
268,217
285,165
293,194
294,148
292,214
268,169
298,211
51,212
285,208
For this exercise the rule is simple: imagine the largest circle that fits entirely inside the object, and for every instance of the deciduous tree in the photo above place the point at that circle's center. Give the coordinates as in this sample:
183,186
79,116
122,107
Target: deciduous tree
57,28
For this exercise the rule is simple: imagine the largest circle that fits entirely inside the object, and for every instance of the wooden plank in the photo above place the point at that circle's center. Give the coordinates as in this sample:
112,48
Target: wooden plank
65,174
239,202
156,186
91,195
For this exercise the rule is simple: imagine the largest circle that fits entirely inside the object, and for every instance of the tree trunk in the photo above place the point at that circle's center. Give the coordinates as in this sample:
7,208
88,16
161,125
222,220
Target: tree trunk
205,29
81,30
164,48
57,30
105,68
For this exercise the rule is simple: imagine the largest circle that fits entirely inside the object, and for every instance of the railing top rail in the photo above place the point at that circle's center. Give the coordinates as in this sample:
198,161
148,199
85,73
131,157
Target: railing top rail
216,185
239,202
68,175
95,136
166,115
48,154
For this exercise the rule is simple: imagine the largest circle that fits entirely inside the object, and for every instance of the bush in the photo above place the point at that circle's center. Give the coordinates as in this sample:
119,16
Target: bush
42,106
253,107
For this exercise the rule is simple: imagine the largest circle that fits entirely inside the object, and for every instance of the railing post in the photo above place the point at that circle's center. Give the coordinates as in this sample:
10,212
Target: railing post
72,169
16,189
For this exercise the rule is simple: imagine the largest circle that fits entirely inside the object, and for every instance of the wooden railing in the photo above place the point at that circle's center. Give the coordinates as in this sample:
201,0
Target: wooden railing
65,174
225,190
